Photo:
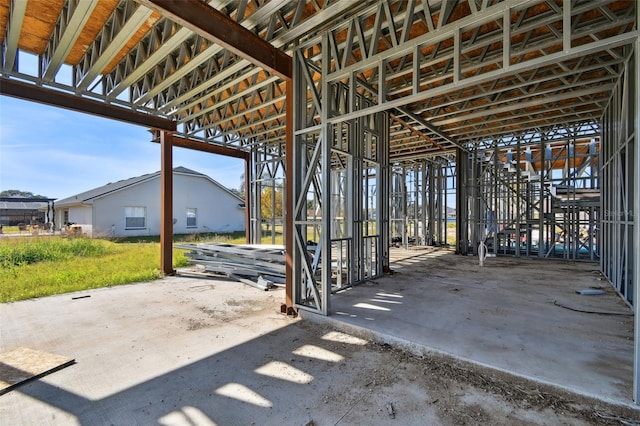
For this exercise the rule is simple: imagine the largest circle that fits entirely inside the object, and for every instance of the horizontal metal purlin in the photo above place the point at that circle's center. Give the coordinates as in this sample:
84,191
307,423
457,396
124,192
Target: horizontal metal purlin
217,27
33,93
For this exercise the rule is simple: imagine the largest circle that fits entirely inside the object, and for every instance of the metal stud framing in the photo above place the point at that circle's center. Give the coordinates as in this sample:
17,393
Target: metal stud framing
339,185
620,201
535,196
422,198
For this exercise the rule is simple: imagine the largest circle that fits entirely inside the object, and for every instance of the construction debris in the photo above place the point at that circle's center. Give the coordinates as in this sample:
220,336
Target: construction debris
260,266
391,410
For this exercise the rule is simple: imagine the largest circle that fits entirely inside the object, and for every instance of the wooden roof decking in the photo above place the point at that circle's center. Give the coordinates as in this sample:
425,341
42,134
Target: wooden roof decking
127,55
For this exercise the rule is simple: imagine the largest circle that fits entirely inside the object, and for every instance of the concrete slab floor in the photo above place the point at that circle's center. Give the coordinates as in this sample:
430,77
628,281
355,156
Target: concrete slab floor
192,351
506,315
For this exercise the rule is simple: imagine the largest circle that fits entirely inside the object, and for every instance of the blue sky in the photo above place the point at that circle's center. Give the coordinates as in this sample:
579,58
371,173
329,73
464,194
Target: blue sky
58,153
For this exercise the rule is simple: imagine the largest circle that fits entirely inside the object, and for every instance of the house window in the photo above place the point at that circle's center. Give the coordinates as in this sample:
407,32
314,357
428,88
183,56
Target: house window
65,217
192,218
135,217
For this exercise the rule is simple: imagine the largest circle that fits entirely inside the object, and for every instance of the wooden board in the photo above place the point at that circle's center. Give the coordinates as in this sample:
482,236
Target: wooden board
23,364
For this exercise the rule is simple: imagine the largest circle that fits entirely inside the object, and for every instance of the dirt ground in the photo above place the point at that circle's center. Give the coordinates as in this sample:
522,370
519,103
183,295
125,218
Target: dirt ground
399,386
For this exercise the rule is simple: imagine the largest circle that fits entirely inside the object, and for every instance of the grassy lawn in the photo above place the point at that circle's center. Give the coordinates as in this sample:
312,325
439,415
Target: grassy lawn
43,266
236,237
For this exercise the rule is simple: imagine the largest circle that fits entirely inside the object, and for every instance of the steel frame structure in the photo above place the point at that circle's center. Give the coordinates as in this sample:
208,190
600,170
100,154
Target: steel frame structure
420,201
620,260
386,93
340,182
534,196
268,193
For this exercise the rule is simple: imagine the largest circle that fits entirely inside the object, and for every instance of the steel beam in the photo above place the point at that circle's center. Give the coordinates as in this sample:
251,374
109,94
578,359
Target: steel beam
166,204
636,218
181,142
217,27
33,93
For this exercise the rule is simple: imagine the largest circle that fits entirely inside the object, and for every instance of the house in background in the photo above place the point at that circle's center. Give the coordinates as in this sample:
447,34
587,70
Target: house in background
27,211
131,207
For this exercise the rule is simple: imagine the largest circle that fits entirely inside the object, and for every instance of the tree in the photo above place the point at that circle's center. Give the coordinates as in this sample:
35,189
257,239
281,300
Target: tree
240,189
15,193
267,208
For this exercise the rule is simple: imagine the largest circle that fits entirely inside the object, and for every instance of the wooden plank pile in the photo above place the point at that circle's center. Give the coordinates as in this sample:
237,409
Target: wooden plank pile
260,266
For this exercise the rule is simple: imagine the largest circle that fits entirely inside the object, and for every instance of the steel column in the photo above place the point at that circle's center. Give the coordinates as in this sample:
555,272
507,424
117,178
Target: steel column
462,196
166,204
289,215
247,199
636,217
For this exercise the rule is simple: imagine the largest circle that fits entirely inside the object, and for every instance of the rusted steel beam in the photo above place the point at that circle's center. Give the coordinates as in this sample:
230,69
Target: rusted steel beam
166,204
29,92
211,24
207,147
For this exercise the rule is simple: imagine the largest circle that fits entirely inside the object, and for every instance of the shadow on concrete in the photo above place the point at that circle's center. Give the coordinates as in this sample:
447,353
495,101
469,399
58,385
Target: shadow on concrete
240,385
507,315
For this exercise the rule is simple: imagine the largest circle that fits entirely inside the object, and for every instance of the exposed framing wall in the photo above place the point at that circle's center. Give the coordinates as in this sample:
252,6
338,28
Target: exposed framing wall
340,182
535,195
421,196
620,223
620,188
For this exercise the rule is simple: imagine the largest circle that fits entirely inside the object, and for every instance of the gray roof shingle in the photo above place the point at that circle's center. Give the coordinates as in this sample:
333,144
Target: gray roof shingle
100,191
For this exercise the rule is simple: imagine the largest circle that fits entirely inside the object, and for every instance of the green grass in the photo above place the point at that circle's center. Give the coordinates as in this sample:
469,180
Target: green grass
36,267
236,237
11,230
25,251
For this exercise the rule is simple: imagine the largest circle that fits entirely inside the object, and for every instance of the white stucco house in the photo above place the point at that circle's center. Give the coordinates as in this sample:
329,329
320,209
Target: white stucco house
131,207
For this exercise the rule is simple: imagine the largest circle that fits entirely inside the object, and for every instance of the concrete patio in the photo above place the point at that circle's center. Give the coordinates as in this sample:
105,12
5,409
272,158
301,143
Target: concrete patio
510,315
188,350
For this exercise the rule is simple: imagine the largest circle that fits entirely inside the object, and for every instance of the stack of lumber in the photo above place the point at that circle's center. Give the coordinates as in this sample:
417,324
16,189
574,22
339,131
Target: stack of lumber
260,266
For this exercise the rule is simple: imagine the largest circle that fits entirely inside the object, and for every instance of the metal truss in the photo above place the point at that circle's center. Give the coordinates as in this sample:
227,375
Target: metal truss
74,15
450,73
477,66
10,45
125,20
